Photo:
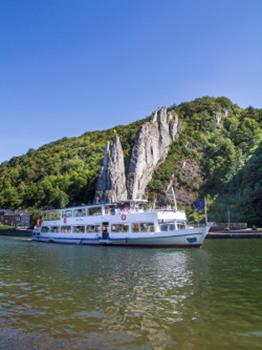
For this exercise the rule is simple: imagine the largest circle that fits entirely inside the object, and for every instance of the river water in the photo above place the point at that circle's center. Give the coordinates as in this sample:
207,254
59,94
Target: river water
79,297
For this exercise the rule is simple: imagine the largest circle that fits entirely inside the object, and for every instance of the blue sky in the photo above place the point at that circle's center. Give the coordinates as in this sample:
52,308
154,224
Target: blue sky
70,66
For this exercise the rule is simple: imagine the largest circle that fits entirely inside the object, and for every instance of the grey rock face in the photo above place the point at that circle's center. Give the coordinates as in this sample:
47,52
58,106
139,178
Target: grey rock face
111,184
219,116
150,149
190,176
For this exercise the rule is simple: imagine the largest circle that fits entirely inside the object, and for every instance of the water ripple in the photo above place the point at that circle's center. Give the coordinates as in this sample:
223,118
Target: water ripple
72,297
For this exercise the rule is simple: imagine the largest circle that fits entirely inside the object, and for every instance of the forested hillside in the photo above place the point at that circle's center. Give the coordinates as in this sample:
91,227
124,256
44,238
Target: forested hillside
218,154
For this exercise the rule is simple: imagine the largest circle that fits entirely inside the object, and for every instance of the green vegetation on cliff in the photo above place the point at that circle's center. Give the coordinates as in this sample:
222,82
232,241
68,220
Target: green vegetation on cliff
60,173
218,154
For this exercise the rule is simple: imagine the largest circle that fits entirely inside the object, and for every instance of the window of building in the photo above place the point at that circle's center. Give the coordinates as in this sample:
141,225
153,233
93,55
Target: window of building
80,212
93,228
66,229
143,227
119,228
45,229
55,229
95,211
79,229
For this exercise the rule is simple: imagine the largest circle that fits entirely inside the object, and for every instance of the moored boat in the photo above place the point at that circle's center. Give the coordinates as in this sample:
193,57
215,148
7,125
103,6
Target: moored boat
126,223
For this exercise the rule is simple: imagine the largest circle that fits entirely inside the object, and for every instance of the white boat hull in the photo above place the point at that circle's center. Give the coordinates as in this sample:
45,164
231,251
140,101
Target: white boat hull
179,238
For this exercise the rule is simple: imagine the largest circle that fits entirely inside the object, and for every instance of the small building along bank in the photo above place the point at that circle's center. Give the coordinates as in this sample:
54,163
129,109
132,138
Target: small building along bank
15,218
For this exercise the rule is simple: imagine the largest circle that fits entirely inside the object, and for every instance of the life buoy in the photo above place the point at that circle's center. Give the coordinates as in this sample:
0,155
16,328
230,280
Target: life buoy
123,216
39,222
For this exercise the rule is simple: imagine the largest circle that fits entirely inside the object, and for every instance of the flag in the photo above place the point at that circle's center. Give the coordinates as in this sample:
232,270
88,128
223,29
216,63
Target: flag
199,204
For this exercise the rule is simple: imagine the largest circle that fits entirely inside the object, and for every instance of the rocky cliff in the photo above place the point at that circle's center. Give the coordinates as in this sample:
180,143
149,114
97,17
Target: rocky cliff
111,183
149,150
205,153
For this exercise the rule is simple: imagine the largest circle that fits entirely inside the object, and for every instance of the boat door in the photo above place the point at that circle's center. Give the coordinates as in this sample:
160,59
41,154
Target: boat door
105,230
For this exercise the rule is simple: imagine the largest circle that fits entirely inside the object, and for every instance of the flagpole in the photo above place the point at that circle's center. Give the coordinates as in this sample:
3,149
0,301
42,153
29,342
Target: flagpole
174,198
205,208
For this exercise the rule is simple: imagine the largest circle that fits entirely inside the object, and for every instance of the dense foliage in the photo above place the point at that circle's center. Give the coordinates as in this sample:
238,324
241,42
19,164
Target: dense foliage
5,227
225,154
217,155
60,173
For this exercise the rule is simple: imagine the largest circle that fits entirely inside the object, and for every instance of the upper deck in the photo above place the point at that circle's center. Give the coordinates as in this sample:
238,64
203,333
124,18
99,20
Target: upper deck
133,211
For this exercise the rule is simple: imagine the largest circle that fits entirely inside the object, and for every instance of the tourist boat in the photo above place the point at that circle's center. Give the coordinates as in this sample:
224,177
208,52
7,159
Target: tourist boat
126,223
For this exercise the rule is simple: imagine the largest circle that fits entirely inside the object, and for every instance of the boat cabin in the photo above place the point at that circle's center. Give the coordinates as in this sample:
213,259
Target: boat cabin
121,217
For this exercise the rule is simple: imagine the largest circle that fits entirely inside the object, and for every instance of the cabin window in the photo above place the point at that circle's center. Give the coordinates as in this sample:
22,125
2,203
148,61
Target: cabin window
67,213
164,228
51,215
79,229
181,226
167,227
95,211
45,229
54,229
119,228
79,212
143,227
66,229
93,228
110,210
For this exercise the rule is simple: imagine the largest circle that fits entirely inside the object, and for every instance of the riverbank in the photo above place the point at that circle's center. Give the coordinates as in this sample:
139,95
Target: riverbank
247,234
17,233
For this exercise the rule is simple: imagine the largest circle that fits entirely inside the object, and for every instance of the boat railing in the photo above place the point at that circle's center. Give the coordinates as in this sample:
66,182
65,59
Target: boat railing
196,225
163,210
57,215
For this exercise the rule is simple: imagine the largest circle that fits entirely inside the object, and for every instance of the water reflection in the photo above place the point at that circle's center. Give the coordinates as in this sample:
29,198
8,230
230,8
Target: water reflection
105,298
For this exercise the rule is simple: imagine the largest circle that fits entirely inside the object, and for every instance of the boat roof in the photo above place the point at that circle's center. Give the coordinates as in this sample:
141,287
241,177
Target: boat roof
130,201
95,205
